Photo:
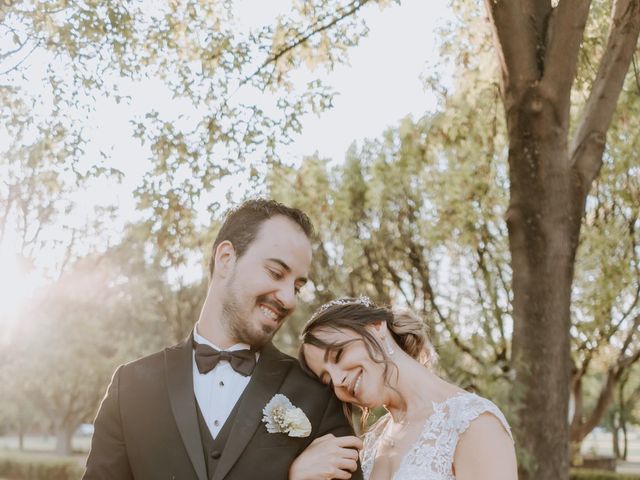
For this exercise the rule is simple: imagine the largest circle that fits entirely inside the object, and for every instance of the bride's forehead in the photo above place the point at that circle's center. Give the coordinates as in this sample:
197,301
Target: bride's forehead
314,356
331,335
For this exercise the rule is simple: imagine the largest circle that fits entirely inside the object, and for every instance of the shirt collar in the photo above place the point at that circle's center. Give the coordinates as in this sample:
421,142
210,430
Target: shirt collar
200,339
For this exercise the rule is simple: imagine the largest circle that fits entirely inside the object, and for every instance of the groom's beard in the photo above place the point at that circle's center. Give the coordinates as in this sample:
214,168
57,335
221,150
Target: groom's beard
238,323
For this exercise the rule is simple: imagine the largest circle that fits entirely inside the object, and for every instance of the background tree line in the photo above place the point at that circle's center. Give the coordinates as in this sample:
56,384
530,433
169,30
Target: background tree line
508,218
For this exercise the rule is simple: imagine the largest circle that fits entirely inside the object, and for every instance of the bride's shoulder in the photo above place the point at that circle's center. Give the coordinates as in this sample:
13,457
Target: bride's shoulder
485,447
467,409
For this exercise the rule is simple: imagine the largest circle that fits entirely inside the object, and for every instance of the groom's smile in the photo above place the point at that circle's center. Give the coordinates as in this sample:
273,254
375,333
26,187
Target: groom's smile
272,310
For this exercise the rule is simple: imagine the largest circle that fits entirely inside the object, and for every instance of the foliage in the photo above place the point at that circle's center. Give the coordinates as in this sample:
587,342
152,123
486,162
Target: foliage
416,217
407,219
582,474
42,131
605,303
105,310
28,467
235,77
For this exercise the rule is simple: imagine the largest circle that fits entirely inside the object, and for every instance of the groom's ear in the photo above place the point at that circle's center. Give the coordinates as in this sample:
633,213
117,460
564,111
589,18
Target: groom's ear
225,259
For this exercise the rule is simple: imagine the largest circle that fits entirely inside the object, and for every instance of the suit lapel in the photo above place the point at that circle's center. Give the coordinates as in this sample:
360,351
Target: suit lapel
270,372
178,369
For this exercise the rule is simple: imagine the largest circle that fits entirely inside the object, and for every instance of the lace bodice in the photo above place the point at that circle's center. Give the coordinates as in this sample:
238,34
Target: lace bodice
431,456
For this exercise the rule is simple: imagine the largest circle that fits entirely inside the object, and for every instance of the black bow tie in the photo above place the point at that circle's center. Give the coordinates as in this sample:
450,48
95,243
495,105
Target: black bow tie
242,361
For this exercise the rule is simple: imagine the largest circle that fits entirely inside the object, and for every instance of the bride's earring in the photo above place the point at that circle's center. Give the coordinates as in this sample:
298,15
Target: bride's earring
390,349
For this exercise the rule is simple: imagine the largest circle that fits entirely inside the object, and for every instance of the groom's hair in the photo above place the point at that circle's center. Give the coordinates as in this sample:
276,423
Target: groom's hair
241,224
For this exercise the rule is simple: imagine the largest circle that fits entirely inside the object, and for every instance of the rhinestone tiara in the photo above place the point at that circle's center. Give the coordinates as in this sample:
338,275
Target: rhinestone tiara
361,300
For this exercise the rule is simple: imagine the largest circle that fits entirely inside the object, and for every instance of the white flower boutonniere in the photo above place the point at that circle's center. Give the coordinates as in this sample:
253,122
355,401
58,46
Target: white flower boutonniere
281,416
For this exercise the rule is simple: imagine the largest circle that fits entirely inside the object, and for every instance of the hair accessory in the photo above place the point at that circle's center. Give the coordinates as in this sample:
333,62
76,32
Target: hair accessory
361,300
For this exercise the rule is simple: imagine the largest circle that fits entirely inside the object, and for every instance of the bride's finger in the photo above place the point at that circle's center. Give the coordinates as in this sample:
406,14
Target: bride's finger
341,474
347,464
349,441
350,453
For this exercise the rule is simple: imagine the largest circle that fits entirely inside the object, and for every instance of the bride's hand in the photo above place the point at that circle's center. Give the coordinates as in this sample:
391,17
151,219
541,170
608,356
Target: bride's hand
326,458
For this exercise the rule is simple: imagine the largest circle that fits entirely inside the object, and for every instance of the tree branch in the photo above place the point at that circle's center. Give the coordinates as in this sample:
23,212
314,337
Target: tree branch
606,393
590,138
12,52
632,331
355,6
428,294
68,254
396,279
515,40
564,32
17,65
493,308
8,203
636,73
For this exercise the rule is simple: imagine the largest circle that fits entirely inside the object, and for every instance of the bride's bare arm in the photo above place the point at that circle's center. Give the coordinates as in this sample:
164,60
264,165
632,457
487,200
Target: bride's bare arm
485,452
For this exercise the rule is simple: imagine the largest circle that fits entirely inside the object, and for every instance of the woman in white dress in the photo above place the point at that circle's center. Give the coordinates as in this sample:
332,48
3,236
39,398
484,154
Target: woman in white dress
373,356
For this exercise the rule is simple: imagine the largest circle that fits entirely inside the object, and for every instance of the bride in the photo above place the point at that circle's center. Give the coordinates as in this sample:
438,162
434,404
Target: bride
372,356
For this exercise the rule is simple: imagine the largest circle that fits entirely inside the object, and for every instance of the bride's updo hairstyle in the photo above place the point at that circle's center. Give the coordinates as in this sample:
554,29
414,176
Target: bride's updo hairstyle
355,314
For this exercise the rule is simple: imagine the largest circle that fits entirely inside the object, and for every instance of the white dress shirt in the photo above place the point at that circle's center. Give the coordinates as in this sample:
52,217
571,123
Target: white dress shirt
218,390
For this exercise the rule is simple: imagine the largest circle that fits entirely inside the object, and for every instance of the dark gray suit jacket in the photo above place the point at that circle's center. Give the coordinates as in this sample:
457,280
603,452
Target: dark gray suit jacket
147,425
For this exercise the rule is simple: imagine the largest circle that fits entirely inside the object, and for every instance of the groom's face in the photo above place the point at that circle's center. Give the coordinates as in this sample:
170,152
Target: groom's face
262,289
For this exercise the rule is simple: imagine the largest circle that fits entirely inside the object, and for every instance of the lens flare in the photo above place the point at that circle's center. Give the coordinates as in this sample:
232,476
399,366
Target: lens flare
17,284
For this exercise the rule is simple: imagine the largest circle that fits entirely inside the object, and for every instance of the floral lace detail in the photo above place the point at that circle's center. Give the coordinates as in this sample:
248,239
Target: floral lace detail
431,456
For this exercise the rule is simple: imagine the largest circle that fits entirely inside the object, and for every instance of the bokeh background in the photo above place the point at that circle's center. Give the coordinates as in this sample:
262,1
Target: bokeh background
128,128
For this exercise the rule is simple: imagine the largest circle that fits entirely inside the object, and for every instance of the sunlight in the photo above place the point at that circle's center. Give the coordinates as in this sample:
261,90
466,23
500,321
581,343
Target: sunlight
16,284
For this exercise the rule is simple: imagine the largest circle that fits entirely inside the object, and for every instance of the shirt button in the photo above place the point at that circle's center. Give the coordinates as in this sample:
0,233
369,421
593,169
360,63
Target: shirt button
221,383
216,422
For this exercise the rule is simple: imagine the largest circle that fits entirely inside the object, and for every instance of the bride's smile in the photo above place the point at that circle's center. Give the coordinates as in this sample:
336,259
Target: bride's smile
348,368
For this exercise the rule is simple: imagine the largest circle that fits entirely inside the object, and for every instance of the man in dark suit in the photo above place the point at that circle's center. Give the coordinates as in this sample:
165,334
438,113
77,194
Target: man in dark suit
197,410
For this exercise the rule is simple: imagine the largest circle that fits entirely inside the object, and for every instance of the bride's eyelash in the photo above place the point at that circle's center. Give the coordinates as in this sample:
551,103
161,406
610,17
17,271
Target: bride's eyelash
338,355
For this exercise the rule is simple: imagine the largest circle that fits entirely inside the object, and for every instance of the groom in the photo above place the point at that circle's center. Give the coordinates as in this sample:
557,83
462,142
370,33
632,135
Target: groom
195,410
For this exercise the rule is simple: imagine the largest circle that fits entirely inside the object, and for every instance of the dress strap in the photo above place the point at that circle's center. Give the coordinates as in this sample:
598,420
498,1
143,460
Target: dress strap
468,407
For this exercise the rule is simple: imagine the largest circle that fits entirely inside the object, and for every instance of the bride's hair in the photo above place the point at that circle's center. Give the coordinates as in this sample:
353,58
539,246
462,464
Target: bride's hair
355,314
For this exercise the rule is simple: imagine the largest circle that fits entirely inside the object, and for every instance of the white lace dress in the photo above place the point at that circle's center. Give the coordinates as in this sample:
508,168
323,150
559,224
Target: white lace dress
431,456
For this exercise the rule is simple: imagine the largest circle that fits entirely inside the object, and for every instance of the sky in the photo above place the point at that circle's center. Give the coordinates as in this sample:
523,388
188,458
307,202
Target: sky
379,86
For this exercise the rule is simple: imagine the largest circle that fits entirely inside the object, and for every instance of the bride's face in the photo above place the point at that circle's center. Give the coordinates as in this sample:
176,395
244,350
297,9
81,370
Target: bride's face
354,376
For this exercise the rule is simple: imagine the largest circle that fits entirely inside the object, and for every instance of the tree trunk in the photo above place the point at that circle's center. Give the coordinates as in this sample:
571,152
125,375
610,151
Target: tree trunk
64,433
575,444
581,424
615,431
543,232
538,44
625,439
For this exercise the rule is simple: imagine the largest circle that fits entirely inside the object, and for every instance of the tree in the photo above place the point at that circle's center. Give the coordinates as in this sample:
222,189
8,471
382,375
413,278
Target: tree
19,414
552,167
552,160
409,219
435,239
606,291
624,413
204,58
538,46
42,131
104,310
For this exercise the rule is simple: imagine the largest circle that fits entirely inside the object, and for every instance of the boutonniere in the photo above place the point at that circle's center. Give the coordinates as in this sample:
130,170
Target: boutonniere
281,416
